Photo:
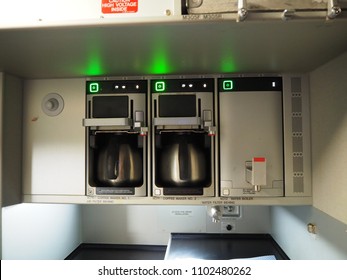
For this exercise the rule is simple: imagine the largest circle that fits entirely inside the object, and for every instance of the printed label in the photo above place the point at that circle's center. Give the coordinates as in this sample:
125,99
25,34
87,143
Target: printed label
119,6
187,213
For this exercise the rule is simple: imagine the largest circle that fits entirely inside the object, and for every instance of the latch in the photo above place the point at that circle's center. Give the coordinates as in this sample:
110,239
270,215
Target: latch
242,11
139,123
333,9
256,172
193,3
288,14
207,123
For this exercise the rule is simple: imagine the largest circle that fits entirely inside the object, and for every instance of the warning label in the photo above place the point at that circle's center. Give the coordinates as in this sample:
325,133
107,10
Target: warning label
119,6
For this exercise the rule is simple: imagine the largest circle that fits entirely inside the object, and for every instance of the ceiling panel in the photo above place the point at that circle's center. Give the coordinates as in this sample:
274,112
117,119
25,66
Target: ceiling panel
171,48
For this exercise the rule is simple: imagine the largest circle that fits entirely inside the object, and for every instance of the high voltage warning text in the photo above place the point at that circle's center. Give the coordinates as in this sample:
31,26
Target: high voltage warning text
119,6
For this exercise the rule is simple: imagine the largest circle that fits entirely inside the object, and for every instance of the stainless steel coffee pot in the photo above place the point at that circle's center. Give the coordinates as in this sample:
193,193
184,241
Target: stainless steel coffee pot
119,164
183,164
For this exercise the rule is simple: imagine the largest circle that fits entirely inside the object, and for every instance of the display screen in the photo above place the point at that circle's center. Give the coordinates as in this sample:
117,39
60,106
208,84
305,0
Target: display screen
177,105
110,107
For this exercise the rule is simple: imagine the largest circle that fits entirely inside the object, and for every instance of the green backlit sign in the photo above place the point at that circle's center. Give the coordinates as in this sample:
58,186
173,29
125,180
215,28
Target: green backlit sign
159,86
228,85
94,87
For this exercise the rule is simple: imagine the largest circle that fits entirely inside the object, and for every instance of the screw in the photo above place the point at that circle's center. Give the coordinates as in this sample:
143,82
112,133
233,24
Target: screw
229,227
336,10
242,14
229,208
312,228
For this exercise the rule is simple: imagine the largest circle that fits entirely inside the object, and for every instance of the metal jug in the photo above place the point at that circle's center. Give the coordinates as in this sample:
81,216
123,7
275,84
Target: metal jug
182,163
119,164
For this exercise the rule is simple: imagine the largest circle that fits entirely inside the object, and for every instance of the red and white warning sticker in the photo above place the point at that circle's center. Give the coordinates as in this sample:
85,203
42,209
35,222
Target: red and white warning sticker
119,6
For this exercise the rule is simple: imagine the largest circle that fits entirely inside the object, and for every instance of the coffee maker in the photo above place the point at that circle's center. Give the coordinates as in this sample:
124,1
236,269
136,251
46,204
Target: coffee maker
183,130
116,132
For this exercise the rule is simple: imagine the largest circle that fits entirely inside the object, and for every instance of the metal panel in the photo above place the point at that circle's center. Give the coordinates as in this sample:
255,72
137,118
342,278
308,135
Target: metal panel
297,135
11,134
54,147
72,10
227,6
329,138
250,126
157,49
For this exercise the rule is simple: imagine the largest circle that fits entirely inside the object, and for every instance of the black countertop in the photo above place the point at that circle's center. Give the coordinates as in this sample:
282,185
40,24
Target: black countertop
222,246
87,251
186,246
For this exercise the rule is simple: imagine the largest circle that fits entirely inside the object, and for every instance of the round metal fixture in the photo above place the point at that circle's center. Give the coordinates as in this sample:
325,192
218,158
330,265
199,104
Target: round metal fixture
52,104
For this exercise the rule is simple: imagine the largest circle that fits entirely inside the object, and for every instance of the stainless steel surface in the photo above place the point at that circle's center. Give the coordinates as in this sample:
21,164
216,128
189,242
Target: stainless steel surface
119,165
177,121
334,9
234,6
139,119
215,213
107,122
288,14
183,165
242,11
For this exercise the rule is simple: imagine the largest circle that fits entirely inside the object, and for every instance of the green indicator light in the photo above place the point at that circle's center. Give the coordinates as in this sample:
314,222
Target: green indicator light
228,85
94,87
159,86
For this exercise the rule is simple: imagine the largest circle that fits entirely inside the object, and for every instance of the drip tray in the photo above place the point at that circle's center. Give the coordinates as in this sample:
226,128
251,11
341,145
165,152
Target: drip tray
222,246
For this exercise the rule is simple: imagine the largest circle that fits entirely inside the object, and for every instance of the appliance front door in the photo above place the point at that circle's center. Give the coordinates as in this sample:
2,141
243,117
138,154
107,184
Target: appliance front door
250,130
